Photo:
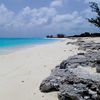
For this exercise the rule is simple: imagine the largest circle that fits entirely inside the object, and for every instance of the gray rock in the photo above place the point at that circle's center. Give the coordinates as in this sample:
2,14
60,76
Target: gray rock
53,82
70,77
73,92
49,84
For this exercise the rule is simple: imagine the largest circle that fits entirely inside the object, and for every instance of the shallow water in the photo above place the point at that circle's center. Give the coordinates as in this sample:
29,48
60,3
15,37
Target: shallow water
12,42
8,45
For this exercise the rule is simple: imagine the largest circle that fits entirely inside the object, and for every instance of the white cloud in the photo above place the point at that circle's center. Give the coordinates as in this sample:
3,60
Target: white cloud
56,3
68,22
65,17
32,17
87,13
6,16
44,19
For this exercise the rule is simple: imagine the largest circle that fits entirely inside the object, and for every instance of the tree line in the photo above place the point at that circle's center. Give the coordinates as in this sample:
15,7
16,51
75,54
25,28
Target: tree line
57,36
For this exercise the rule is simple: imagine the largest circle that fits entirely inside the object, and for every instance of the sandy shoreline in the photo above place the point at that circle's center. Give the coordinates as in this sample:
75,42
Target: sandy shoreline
22,71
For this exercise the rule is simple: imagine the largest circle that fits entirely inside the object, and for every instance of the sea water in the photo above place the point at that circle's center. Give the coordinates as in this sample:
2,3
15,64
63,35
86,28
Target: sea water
15,42
8,45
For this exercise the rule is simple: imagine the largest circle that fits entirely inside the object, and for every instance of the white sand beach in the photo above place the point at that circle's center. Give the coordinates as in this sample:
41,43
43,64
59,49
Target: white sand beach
22,71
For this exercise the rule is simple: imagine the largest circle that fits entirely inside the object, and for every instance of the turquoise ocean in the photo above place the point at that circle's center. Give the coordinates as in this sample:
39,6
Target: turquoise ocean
20,42
9,45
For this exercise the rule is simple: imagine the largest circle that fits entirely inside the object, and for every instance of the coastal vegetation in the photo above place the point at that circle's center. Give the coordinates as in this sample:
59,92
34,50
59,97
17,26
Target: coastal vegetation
85,34
57,36
95,8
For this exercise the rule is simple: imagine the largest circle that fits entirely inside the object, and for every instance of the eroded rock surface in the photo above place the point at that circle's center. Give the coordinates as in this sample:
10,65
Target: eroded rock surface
72,79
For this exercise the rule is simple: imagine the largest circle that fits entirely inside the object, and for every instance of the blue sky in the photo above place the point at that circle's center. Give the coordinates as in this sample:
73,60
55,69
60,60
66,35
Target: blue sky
38,18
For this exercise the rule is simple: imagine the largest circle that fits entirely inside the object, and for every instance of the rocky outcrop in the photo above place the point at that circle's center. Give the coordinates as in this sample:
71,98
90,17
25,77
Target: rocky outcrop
72,79
86,45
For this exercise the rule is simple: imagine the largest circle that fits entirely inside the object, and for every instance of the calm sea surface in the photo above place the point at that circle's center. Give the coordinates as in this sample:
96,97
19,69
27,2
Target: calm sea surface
8,45
15,42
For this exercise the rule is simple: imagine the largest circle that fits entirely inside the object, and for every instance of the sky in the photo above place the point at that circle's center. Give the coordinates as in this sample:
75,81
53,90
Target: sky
38,18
